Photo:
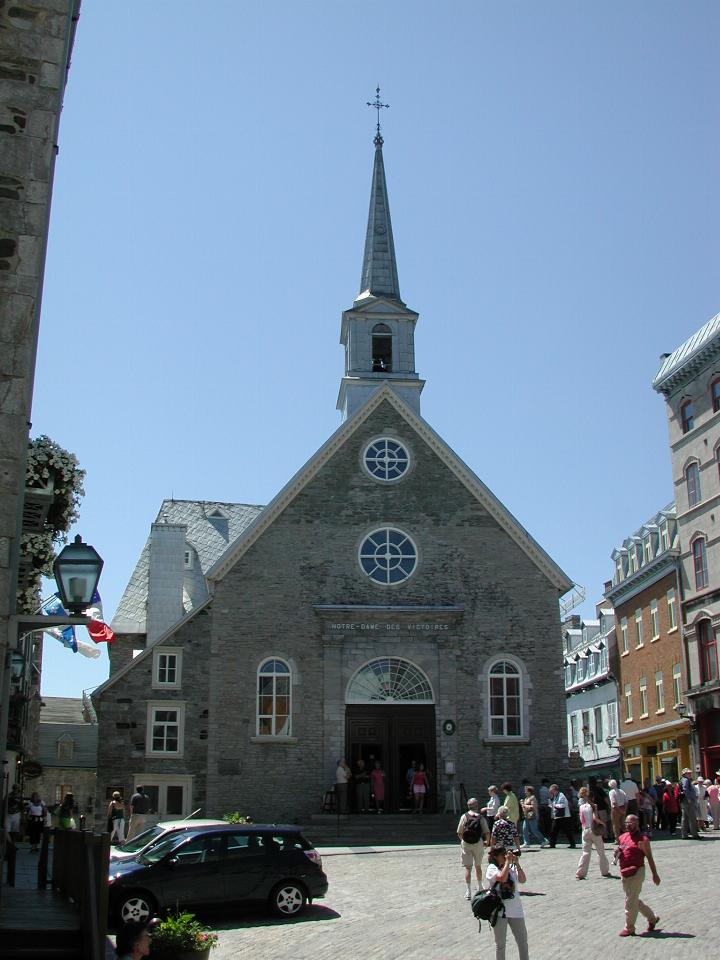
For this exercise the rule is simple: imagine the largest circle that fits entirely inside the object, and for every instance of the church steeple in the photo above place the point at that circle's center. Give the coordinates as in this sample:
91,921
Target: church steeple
379,269
378,332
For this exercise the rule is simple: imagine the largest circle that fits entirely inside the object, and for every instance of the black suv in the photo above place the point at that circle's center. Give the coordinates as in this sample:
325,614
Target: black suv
218,865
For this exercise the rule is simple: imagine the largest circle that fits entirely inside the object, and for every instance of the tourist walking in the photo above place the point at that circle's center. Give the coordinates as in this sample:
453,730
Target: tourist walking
504,832
116,818
505,873
474,834
562,820
493,805
592,829
421,785
36,813
671,807
618,808
633,848
530,828
688,806
343,775
377,786
362,786
630,789
512,803
139,808
544,807
713,791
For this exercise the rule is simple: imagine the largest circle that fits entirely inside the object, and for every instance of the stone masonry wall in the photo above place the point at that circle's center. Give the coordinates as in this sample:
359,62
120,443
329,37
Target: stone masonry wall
264,607
122,717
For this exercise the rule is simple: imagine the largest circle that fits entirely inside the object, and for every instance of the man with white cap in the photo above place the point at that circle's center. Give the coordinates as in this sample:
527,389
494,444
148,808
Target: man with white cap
473,832
688,805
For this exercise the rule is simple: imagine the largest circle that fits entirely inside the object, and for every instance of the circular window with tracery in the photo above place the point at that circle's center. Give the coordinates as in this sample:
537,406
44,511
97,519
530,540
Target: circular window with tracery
389,680
388,556
386,459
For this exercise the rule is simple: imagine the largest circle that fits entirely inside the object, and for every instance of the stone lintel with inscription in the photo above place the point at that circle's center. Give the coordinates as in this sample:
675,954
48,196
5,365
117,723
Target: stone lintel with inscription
387,620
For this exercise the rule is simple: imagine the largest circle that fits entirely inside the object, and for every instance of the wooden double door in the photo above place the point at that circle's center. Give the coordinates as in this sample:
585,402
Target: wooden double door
397,736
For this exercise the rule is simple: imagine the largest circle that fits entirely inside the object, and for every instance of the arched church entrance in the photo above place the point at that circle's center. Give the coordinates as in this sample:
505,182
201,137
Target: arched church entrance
390,718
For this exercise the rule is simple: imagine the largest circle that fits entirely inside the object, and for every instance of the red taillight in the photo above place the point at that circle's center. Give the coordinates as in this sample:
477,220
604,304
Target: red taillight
314,856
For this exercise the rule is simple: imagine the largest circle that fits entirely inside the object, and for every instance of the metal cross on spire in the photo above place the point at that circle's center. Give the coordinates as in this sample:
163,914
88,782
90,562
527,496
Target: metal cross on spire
376,104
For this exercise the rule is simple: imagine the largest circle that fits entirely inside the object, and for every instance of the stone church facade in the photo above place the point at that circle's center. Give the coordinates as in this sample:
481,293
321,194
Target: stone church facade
384,605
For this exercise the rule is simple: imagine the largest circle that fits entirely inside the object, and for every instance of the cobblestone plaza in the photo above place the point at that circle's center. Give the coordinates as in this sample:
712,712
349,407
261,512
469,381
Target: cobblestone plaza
408,903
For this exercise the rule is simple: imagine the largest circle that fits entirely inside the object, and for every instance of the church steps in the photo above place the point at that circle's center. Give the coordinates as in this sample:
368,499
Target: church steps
381,829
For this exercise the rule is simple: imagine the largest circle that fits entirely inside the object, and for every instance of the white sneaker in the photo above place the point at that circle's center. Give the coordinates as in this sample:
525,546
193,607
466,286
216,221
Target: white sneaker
544,846
468,896
524,846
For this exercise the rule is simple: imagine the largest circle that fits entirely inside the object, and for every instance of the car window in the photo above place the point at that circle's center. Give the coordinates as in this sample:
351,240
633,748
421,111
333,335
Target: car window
199,850
163,847
242,845
141,840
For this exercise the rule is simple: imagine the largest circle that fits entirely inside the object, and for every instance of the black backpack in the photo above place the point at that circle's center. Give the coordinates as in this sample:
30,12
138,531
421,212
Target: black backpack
473,829
487,905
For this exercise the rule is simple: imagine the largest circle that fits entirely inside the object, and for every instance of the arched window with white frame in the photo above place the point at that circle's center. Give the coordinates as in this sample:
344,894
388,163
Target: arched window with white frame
505,699
692,483
274,716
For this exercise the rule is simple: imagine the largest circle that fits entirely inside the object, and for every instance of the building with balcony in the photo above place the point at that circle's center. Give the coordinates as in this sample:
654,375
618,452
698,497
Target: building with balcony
689,380
591,692
645,593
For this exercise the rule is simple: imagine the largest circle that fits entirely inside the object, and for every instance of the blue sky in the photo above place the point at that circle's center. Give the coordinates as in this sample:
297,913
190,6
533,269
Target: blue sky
552,172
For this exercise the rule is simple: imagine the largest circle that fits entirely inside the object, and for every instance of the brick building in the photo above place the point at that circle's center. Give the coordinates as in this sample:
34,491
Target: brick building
645,593
689,380
384,605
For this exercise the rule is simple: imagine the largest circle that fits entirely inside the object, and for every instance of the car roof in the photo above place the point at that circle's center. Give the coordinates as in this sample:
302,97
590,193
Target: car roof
249,827
178,824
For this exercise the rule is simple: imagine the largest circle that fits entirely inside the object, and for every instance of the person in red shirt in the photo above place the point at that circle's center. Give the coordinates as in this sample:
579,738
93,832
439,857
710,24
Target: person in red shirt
633,848
671,807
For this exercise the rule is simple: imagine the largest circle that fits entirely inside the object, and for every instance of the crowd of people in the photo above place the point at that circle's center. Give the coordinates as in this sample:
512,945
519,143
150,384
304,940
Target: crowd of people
591,814
362,789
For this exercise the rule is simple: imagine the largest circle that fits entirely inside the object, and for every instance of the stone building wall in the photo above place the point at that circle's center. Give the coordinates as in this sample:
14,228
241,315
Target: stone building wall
265,606
35,43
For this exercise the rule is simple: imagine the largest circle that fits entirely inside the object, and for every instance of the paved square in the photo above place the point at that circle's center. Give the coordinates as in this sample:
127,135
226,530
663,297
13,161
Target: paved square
409,904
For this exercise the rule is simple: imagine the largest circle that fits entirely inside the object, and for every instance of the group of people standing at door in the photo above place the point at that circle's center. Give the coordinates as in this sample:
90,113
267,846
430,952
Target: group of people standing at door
368,781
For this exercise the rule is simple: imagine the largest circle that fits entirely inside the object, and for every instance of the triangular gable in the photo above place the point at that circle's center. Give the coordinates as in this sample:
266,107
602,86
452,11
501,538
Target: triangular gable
148,650
476,487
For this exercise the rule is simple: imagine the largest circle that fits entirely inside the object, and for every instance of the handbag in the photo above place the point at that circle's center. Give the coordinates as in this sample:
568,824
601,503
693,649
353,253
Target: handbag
598,828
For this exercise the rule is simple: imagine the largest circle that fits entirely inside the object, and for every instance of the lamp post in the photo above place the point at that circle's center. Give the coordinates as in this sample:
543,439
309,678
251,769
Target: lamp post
612,741
77,571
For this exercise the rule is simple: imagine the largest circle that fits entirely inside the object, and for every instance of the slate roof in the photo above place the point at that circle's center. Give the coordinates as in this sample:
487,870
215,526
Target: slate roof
683,363
64,716
207,537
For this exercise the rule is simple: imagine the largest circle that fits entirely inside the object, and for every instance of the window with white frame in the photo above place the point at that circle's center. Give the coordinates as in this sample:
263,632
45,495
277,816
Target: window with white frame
505,695
624,643
647,548
599,732
165,728
664,537
273,699
586,728
580,670
677,683
643,697
612,718
628,703
167,668
574,731
638,629
188,559
618,570
568,674
671,612
654,620
632,560
659,692
603,659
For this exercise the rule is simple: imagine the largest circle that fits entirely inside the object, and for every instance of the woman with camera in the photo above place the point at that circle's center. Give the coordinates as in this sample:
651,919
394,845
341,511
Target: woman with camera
504,873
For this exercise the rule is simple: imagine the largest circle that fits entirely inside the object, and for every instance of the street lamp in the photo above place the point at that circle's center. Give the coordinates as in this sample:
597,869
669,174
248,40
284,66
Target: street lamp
611,740
681,708
77,572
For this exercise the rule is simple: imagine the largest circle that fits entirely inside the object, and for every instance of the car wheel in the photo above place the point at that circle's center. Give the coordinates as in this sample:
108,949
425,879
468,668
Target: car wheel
135,908
288,899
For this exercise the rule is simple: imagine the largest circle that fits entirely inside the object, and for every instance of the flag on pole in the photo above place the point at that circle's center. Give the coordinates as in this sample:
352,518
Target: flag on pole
66,635
99,631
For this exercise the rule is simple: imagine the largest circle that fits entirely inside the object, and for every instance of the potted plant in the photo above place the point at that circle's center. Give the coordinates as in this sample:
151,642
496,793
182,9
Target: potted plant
181,937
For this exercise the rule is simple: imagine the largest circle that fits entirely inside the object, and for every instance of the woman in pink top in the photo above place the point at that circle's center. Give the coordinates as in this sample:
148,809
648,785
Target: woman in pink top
713,794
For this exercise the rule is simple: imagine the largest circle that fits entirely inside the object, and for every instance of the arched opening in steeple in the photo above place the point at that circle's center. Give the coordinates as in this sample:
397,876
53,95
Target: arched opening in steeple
381,348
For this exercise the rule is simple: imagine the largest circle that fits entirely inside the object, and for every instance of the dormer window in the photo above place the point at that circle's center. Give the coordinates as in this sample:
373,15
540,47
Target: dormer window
65,748
381,348
220,522
188,559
